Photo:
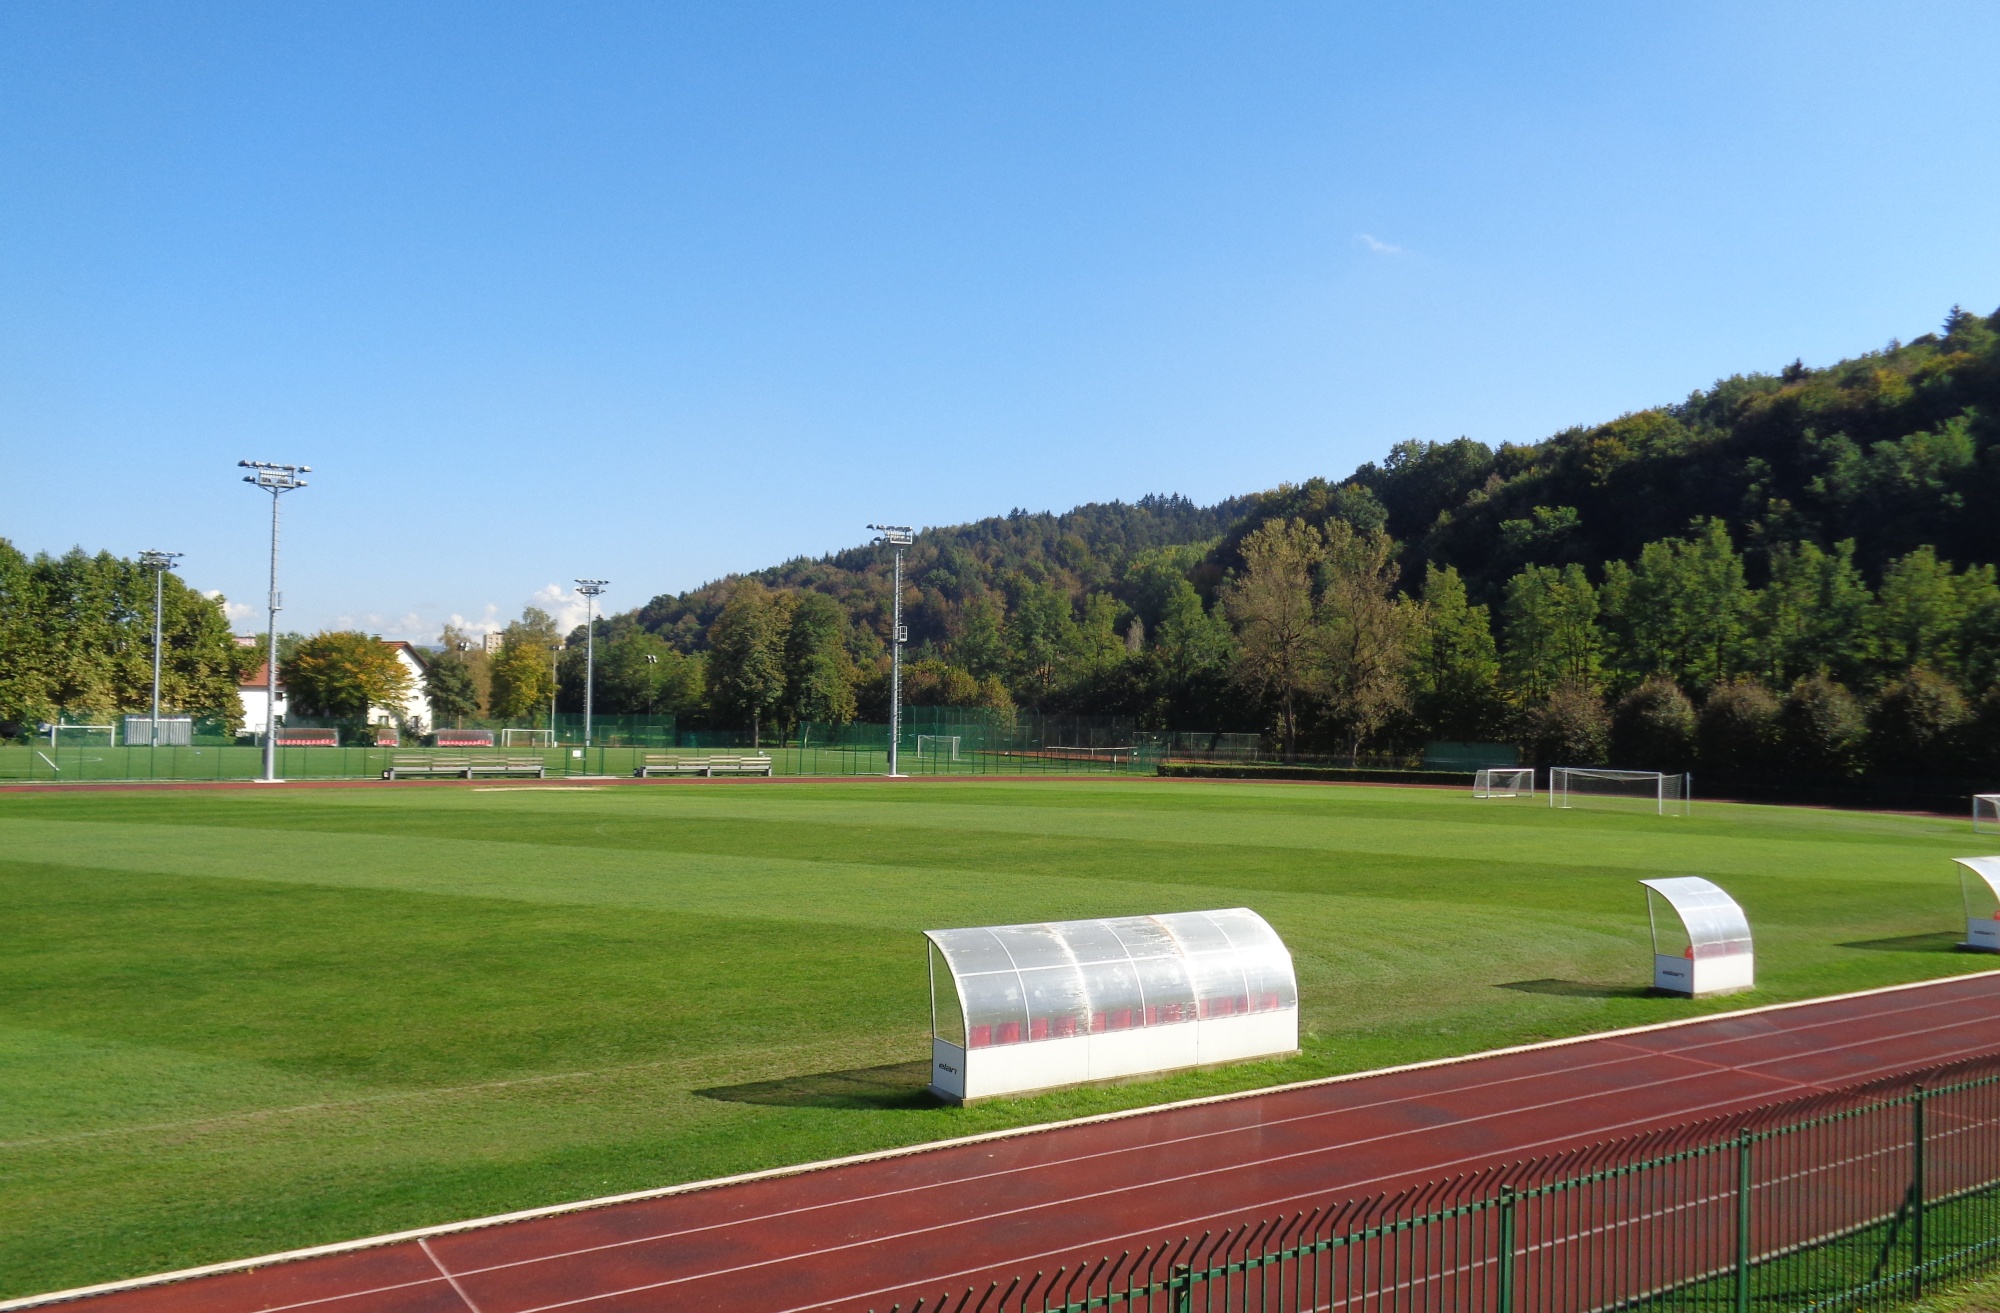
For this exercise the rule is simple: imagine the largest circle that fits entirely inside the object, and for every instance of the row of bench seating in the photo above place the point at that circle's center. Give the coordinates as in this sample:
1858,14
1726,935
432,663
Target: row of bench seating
413,765
667,763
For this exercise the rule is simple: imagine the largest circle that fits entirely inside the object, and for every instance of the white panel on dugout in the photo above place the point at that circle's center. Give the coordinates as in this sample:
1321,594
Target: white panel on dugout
1032,1007
1979,889
1714,950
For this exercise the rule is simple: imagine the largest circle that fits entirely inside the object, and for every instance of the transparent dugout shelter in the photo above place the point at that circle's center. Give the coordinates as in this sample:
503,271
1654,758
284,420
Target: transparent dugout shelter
1979,889
1031,1007
1701,939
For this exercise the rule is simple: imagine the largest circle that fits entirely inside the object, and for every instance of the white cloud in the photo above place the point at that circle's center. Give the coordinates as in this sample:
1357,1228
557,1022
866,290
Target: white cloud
1377,245
565,604
489,622
232,611
409,626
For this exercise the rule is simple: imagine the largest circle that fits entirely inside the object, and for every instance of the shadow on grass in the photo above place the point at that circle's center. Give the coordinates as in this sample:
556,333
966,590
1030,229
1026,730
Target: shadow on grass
1576,989
898,1085
1937,941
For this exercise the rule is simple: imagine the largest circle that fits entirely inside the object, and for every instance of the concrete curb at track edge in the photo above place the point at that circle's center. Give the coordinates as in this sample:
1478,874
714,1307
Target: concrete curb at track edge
662,1192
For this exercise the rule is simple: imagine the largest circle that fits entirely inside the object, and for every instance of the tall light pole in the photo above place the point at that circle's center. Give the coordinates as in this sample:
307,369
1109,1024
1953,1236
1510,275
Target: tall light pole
592,589
159,563
276,480
897,536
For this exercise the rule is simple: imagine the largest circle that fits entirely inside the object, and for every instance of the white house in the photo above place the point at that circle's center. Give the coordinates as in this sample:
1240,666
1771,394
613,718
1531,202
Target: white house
415,711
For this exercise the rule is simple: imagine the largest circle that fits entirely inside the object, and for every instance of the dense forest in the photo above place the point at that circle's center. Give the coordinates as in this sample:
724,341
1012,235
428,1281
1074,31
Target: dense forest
1793,569
1796,565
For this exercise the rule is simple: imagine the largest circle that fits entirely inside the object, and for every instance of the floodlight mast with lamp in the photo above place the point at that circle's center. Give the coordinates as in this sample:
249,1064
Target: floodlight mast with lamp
276,480
897,536
159,563
592,589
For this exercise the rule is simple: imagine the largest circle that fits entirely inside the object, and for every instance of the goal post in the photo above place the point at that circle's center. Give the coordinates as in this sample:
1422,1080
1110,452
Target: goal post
1508,782
1985,813
1660,792
943,746
527,738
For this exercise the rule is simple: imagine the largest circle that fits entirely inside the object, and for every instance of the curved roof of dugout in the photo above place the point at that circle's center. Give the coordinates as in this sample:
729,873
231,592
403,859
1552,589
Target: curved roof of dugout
1058,979
1712,918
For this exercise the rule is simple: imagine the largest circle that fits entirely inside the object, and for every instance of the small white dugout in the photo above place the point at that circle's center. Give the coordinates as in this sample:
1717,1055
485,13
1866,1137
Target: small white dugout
1979,891
1711,953
1016,1008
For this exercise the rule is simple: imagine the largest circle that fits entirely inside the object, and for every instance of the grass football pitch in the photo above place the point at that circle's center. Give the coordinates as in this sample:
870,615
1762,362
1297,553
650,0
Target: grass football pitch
236,1021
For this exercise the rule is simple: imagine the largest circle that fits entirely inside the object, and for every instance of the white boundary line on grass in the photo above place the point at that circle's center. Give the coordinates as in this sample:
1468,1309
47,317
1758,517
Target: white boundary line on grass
667,1191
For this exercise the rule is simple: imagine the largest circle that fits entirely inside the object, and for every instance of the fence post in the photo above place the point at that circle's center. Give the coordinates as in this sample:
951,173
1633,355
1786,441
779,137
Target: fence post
1917,1193
1182,1284
1507,1200
1743,1222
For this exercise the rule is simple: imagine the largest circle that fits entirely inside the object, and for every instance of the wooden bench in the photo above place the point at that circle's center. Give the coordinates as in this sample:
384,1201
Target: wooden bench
464,768
666,763
415,764
511,764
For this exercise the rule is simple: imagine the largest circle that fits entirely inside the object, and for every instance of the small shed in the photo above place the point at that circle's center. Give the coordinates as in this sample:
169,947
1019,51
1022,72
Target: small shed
1979,890
1032,1007
1705,948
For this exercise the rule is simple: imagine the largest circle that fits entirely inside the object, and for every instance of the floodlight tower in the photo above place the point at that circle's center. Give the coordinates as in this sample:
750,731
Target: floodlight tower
276,480
592,589
897,536
159,563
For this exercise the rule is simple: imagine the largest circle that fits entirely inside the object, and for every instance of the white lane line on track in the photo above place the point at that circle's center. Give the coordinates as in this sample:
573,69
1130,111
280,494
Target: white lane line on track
445,1272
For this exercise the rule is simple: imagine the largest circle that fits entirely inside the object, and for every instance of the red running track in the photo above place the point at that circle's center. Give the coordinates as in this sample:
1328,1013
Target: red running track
872,1232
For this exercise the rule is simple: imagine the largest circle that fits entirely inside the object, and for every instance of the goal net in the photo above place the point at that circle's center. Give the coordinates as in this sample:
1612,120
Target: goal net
1985,812
1629,790
1504,783
942,746
527,738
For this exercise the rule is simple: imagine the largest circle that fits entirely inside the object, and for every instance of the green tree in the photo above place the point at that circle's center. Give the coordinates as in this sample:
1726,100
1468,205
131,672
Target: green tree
819,675
521,675
746,662
1821,728
342,673
1567,728
1680,612
1553,640
1272,604
449,685
1738,727
1810,613
980,645
1364,632
1927,615
640,674
1042,638
1653,728
1913,729
1454,666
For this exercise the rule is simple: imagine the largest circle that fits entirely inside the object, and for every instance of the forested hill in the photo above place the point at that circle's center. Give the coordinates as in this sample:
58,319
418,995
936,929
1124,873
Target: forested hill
1895,449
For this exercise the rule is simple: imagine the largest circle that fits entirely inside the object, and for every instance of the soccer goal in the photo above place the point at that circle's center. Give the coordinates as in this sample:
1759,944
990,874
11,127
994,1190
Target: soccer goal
1985,812
1633,790
527,738
82,736
941,746
1508,783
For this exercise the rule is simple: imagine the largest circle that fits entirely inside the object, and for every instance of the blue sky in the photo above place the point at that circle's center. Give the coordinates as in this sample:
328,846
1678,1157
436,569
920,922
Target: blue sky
657,293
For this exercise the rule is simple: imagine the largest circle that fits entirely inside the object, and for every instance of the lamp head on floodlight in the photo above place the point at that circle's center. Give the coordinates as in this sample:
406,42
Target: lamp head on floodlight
153,560
591,587
272,477
895,535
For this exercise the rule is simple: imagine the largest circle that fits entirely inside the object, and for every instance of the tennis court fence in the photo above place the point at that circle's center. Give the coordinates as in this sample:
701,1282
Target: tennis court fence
1856,1200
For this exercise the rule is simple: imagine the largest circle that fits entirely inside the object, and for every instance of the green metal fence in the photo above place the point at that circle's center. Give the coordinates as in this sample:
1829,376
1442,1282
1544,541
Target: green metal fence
1860,1200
